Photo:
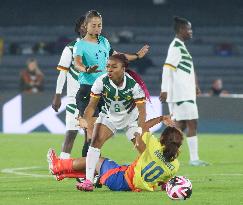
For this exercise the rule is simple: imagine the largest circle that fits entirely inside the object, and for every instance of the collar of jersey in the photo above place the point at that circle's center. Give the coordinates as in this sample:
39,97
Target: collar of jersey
123,85
177,39
89,42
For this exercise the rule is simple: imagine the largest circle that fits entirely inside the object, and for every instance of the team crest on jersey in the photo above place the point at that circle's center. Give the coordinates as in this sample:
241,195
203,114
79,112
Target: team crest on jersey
128,97
116,97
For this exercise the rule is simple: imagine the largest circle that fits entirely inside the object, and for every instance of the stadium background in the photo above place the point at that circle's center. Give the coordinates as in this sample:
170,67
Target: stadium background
40,29
129,24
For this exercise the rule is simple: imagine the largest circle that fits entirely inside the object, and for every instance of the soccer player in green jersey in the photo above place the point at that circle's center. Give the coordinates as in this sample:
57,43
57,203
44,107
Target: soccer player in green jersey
91,54
68,73
124,109
179,87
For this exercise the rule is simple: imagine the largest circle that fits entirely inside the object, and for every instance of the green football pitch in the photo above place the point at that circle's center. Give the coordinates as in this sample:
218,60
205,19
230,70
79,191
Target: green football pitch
24,176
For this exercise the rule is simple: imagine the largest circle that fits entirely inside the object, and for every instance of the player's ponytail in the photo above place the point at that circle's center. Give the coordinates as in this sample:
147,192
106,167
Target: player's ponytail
140,81
79,26
122,58
171,138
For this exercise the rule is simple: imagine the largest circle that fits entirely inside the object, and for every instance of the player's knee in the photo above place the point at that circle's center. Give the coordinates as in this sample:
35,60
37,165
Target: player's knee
72,133
97,141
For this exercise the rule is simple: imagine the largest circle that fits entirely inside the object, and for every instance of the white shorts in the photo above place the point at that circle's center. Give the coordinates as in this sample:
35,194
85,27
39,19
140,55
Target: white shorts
71,114
130,129
183,111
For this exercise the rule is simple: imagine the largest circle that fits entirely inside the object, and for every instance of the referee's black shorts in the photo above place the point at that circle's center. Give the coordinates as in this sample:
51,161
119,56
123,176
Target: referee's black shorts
82,100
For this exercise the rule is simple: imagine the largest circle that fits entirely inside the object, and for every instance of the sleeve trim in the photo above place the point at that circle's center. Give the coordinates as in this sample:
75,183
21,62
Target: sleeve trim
170,66
140,100
62,68
94,95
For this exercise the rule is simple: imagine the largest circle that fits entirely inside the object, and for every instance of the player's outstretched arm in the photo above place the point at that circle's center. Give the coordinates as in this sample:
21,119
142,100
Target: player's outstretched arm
166,119
138,142
79,64
142,113
135,56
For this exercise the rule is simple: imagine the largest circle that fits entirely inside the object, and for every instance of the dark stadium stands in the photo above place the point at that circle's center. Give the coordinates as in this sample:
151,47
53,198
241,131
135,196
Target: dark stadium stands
121,12
209,65
217,25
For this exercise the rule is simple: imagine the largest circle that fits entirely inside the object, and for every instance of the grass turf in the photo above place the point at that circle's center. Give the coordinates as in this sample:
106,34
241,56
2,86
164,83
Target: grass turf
220,183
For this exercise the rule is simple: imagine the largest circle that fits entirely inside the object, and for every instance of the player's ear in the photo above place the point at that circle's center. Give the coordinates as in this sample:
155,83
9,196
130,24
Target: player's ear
124,69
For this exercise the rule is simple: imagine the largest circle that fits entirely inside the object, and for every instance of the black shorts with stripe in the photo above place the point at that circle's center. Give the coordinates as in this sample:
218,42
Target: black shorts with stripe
83,97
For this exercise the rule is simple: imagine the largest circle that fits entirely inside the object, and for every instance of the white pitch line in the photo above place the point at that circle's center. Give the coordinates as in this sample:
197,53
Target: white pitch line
228,174
19,171
216,174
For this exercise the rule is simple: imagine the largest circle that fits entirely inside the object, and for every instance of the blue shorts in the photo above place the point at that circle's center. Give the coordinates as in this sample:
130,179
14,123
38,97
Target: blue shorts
112,175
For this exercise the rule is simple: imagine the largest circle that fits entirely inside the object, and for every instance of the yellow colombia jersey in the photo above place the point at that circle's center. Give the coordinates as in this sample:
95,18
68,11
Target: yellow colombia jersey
151,167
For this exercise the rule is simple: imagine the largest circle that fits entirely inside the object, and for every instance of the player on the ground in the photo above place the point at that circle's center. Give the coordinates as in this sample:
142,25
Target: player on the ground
179,87
91,54
70,74
124,109
157,163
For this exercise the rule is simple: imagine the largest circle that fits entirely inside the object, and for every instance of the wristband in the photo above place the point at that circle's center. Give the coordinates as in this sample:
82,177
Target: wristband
139,130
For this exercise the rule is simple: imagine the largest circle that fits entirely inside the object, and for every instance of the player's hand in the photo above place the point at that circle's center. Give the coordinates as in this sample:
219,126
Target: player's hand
166,119
56,102
163,96
143,51
93,69
198,91
82,123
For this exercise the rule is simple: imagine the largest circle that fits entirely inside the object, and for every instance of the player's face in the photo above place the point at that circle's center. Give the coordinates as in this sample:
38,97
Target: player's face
187,31
115,70
94,26
32,66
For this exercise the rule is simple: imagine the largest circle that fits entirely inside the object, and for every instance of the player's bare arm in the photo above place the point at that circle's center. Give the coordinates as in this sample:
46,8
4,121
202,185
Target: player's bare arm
84,121
166,119
82,68
142,114
163,96
135,56
56,103
198,90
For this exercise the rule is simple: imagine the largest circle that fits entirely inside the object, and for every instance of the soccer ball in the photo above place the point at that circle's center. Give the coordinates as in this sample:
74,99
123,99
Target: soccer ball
179,188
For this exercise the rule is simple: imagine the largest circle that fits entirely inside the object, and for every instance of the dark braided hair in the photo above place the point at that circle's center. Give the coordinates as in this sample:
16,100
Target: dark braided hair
122,58
171,138
78,23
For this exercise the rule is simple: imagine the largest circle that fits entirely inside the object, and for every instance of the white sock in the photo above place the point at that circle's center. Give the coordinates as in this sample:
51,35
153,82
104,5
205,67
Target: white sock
193,147
92,158
64,155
